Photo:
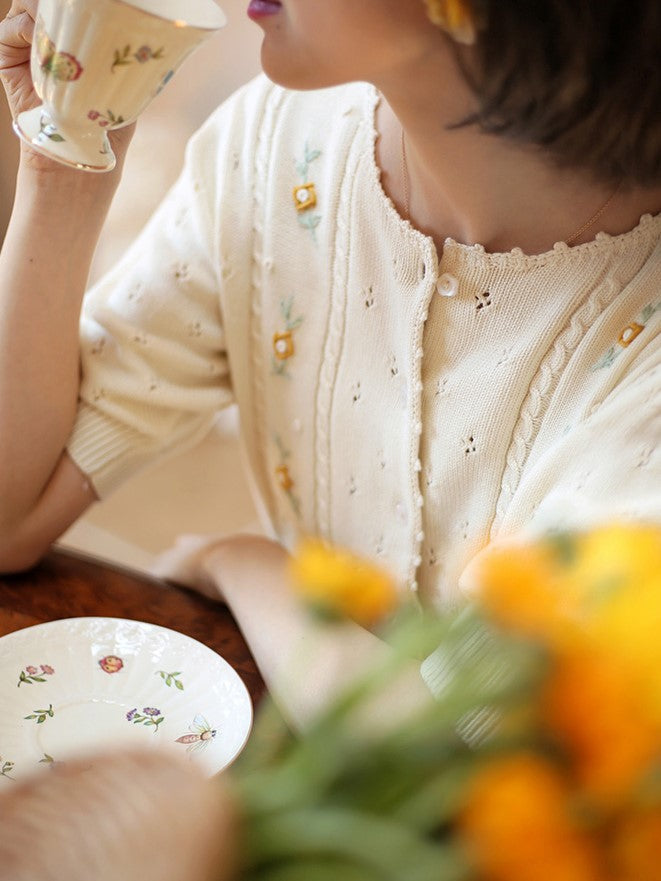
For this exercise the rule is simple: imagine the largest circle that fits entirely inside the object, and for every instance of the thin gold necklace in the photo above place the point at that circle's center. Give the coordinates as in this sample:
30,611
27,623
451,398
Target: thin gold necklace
572,238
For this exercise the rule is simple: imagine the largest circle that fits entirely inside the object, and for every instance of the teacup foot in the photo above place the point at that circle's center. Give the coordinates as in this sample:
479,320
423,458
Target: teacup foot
91,151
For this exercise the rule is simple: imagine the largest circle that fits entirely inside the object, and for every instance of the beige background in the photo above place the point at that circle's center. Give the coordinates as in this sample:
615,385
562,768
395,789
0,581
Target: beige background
205,489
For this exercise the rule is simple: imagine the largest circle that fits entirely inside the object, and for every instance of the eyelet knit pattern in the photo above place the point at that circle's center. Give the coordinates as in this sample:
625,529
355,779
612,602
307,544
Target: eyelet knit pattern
408,426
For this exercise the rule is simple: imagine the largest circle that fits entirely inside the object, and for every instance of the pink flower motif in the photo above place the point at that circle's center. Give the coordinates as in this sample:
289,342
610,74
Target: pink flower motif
93,114
143,54
103,122
31,670
47,669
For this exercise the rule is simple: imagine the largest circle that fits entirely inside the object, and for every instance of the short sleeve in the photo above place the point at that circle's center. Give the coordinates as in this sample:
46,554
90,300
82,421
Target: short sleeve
153,356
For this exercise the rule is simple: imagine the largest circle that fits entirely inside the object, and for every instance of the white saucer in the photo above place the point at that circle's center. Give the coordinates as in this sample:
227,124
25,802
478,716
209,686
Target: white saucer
78,685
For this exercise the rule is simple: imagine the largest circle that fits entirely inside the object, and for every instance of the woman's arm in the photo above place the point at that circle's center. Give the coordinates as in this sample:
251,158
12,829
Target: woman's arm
305,662
44,265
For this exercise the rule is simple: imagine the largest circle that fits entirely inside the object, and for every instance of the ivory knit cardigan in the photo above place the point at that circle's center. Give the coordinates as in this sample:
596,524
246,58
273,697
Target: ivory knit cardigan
410,407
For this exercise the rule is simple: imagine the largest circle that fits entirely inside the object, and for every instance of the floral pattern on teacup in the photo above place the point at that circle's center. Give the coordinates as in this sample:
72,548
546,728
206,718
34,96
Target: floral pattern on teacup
5,768
143,54
105,119
60,65
49,131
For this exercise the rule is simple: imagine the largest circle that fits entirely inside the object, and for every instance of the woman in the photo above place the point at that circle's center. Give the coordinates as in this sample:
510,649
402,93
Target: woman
417,263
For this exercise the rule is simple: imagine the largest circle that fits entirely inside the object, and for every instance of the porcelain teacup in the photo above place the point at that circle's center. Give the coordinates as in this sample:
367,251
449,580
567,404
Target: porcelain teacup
96,65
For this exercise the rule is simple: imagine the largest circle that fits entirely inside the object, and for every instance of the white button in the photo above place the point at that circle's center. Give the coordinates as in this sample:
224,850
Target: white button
447,285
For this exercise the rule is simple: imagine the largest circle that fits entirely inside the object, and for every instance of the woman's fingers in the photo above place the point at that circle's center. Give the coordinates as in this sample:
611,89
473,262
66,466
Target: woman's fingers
16,32
15,40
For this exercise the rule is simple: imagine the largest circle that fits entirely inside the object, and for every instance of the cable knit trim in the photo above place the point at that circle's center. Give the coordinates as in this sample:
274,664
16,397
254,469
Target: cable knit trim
260,177
334,338
541,389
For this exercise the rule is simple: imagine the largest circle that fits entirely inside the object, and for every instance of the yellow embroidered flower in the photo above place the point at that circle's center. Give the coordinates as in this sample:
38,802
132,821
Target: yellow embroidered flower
630,333
455,17
338,583
305,196
516,824
283,345
284,477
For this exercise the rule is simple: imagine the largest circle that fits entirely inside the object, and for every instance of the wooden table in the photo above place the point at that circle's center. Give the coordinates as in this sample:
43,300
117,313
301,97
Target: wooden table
69,585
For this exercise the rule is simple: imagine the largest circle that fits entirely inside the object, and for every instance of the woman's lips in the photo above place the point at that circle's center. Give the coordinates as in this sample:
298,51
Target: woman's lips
261,8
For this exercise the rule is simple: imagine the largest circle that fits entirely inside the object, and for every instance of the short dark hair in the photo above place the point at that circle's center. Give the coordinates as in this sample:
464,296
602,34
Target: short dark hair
579,78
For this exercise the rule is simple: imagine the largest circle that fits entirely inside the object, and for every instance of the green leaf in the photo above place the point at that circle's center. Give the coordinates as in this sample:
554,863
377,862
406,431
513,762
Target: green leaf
41,719
387,848
179,685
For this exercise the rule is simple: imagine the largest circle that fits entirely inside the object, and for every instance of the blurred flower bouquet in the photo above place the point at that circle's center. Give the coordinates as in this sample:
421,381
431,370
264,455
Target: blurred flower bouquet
539,760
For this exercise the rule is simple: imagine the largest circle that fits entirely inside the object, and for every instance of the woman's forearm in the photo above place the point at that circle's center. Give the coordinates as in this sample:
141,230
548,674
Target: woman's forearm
304,661
44,266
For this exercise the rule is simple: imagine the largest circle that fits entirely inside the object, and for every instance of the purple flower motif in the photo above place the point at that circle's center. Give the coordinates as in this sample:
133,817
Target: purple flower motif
131,714
31,670
151,711
143,54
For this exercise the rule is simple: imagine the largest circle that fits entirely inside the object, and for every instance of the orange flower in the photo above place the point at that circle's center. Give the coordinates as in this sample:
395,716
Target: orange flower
516,824
594,707
635,847
605,582
338,583
518,589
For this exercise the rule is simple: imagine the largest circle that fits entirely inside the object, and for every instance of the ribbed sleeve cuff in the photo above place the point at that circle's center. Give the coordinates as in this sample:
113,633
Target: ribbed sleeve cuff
106,451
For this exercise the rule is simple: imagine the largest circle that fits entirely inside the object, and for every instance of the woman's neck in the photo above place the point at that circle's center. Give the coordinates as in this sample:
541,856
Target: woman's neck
478,188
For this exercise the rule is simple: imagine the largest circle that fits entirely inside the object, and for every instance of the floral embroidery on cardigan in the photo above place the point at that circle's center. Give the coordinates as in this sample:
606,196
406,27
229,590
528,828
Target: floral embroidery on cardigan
305,193
627,335
283,341
284,478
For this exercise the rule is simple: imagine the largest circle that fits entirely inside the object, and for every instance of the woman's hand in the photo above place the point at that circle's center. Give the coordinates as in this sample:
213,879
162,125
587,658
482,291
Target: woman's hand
16,33
15,41
205,562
